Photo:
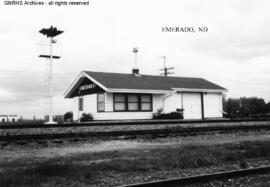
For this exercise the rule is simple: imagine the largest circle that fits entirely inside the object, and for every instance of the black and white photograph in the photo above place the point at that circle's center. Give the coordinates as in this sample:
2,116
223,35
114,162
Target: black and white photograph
126,93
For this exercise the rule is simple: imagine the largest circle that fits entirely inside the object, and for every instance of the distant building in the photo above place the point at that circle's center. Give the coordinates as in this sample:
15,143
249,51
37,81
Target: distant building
109,96
13,118
3,118
9,118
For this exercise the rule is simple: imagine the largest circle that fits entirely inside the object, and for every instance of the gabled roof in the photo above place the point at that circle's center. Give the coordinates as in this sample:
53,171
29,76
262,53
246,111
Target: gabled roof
150,82
120,82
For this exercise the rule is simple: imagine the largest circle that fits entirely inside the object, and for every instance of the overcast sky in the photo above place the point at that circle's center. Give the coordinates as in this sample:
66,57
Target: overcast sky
234,53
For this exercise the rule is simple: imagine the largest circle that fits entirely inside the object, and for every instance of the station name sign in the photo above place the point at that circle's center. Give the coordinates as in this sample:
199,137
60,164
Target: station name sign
87,87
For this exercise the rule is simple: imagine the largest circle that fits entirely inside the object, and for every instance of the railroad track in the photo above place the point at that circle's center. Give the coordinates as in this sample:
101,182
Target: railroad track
180,131
123,122
204,178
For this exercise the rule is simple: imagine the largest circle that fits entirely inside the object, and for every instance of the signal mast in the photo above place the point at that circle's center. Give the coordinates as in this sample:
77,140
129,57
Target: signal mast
50,33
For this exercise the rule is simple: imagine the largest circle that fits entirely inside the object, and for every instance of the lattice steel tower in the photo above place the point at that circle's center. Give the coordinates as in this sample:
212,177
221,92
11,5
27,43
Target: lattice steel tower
50,33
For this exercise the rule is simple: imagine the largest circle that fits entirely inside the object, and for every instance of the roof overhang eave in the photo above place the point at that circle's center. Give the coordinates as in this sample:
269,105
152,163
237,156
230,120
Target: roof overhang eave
67,94
200,90
116,90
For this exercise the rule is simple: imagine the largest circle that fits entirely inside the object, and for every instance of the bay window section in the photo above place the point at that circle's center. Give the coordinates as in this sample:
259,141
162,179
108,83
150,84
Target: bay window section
132,102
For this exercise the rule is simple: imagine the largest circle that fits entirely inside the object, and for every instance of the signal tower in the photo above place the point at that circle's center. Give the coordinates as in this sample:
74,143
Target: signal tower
50,33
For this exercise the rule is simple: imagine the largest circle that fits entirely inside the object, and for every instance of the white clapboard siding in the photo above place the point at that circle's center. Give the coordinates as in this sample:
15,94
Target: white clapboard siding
75,108
157,102
172,102
212,105
122,115
89,105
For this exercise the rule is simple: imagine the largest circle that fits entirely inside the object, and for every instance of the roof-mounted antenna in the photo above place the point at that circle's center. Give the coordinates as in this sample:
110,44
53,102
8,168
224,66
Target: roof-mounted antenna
165,70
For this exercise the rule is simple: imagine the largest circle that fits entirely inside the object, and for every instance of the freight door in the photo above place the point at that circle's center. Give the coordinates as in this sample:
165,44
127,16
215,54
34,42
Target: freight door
212,105
192,106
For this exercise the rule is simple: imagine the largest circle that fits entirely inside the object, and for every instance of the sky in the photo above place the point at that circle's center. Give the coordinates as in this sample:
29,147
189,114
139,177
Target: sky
233,53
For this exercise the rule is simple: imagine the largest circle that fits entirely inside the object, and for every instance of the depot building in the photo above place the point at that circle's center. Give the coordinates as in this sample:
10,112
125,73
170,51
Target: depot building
113,96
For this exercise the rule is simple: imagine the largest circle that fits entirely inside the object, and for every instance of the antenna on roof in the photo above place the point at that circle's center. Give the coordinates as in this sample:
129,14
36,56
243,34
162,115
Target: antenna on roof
165,70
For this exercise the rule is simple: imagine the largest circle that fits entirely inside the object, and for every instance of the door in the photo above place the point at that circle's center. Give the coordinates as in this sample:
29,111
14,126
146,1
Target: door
192,106
212,105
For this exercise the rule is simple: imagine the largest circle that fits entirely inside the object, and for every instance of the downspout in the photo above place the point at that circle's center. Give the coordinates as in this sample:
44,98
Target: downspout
163,99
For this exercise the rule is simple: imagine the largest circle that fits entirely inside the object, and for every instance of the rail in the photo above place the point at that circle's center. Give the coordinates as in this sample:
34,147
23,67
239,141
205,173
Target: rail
125,122
204,178
166,131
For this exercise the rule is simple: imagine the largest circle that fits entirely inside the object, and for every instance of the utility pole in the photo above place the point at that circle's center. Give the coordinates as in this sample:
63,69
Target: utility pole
50,33
165,70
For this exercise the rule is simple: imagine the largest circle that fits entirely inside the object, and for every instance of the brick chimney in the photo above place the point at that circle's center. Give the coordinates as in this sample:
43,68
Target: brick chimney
135,71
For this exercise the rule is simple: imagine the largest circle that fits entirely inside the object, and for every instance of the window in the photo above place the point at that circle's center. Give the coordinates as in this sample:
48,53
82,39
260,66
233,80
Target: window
119,102
80,104
132,102
146,102
100,102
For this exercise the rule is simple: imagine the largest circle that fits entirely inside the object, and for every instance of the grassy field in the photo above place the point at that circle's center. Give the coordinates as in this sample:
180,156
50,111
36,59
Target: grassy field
79,170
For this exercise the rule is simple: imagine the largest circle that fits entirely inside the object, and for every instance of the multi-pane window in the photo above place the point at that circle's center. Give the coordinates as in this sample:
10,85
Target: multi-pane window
146,102
100,102
119,102
81,104
132,102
